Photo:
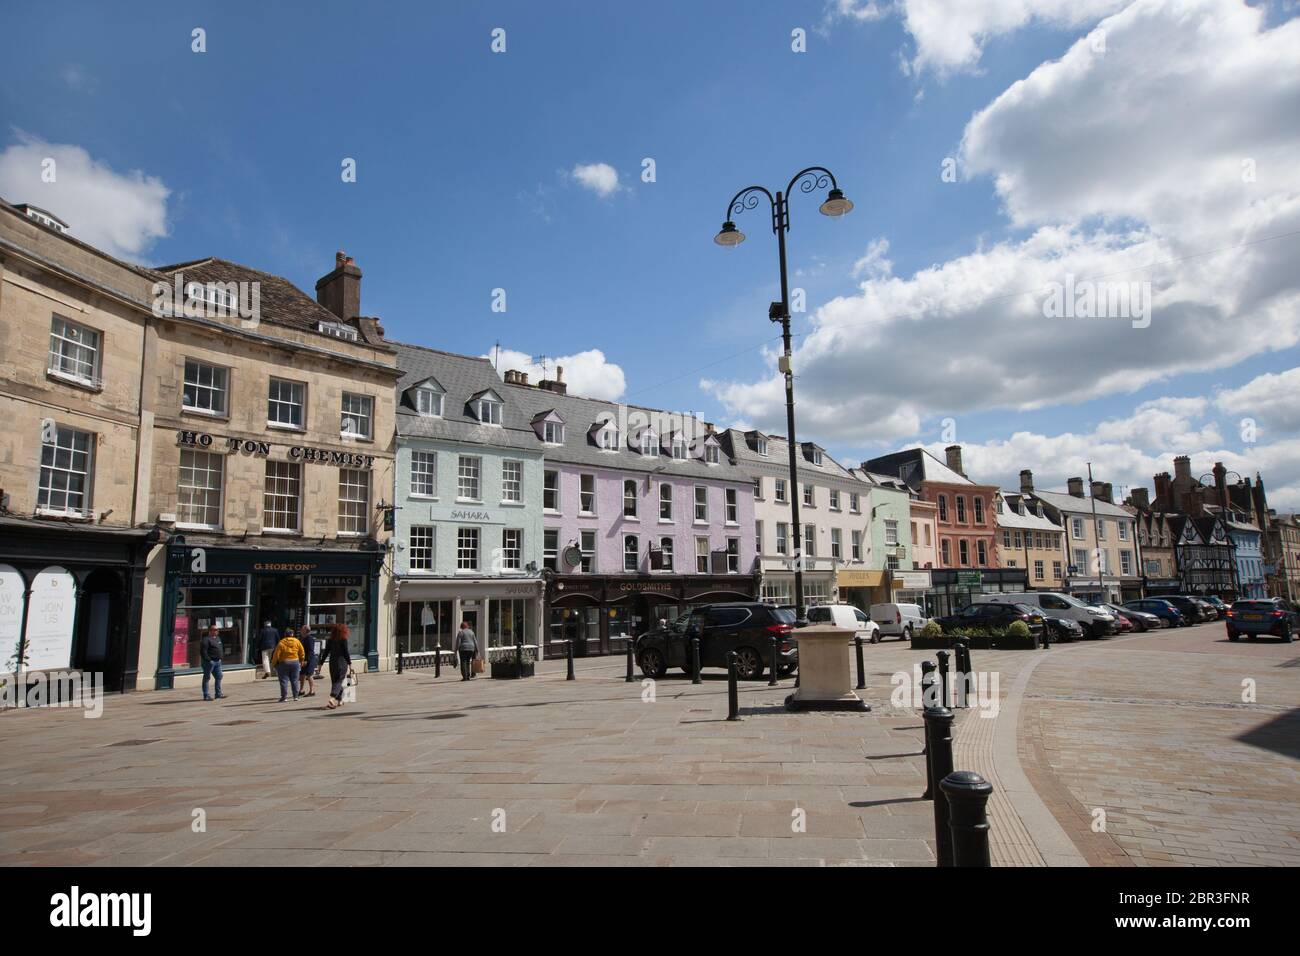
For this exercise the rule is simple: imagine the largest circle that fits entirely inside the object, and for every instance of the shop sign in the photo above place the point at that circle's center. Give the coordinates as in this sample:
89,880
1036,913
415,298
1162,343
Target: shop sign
462,514
969,579
343,459
662,586
912,580
336,580
211,581
292,568
51,611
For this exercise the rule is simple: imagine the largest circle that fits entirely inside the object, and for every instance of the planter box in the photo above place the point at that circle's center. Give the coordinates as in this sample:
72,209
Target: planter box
510,670
981,642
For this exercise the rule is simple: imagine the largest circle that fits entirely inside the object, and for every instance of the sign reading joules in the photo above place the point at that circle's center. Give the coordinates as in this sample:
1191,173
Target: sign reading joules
324,456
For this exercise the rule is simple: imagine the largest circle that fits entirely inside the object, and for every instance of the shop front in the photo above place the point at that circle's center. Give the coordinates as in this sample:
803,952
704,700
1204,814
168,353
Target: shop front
501,613
910,587
71,599
238,589
600,614
952,589
818,588
862,588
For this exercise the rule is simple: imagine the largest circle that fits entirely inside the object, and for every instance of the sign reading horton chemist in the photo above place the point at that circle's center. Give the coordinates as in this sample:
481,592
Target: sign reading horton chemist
262,449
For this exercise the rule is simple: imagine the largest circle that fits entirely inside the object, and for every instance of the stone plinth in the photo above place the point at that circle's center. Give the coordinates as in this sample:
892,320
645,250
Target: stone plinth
825,670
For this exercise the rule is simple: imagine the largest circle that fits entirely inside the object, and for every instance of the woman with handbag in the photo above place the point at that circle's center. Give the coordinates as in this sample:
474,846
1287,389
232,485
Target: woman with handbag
340,663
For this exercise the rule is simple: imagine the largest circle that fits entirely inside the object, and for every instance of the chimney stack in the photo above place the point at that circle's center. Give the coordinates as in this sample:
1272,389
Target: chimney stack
1221,487
1138,499
1026,481
1164,492
1097,490
1109,491
1182,468
340,290
953,452
556,384
1076,487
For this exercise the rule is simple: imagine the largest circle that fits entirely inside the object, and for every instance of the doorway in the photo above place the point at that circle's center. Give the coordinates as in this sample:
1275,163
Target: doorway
282,600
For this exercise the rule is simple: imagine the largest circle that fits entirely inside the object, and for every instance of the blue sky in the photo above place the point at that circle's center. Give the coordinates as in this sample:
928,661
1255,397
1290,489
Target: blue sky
465,183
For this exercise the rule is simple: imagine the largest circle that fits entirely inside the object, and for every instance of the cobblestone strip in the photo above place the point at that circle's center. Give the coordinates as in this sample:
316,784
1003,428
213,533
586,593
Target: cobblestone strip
1010,843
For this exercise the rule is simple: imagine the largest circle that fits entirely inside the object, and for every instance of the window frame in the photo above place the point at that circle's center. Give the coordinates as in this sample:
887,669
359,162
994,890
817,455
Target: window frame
275,403
95,379
223,390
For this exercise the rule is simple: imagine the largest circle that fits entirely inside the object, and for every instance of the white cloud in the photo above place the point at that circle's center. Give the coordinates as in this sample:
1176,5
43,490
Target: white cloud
120,213
1271,400
874,263
970,334
600,178
588,373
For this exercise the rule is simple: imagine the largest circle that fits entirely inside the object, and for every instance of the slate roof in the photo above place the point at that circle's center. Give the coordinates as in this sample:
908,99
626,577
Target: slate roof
579,448
753,464
915,465
282,302
462,376
1063,501
1009,518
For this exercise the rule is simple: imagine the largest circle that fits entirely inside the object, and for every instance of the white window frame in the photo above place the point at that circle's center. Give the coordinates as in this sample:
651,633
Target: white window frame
490,411
551,490
649,443
701,509
665,498
701,555
856,545
287,478
192,497
584,479
354,522
512,485
731,506
782,537
891,531
469,471
66,349
553,433
836,541
512,549
631,500
778,491
432,398
359,409
424,473
209,388
276,400
467,556
634,553
420,543
46,482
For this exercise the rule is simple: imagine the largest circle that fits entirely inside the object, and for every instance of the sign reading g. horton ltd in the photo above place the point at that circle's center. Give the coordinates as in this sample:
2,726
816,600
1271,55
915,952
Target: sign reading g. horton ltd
344,459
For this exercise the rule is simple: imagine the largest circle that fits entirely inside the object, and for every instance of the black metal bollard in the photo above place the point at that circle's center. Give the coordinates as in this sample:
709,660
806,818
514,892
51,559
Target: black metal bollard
967,794
695,660
1047,635
771,680
733,692
519,660
929,697
568,653
629,678
938,733
862,671
963,668
943,678
437,659
401,652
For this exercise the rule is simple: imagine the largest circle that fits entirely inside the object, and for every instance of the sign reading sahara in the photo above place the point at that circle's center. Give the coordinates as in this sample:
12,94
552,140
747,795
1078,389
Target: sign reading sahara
51,612
969,579
11,617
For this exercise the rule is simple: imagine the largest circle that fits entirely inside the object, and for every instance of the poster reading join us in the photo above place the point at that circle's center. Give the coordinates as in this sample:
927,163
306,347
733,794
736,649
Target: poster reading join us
51,615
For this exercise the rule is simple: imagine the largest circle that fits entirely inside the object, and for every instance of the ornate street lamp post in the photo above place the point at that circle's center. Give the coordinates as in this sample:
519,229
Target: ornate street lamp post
808,180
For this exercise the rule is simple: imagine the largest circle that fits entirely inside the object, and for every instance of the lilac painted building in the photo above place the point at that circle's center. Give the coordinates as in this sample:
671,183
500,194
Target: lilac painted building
643,515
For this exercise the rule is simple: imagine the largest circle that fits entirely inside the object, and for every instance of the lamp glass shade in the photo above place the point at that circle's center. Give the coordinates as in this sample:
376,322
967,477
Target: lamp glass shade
835,204
729,235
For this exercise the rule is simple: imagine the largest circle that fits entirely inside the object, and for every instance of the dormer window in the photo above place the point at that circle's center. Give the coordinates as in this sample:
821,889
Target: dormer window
609,438
338,330
711,455
489,411
679,448
428,401
816,456
553,433
760,446
649,442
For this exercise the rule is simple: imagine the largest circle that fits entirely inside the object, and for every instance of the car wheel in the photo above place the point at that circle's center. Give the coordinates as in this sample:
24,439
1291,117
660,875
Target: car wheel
1232,635
749,663
652,663
1286,635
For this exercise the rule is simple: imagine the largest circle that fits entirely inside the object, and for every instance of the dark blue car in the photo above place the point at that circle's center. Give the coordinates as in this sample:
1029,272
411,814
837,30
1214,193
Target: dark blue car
1262,617
1161,609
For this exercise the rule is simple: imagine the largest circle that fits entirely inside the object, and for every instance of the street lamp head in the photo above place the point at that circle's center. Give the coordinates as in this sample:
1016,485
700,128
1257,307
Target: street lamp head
730,235
835,204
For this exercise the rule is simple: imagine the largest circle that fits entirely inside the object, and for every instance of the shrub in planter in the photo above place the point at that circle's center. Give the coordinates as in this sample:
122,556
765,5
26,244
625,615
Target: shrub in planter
931,629
1018,629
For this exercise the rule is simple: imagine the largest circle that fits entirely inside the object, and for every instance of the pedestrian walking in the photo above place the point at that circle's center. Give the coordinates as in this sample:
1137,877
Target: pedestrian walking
288,658
211,651
267,638
335,653
467,645
307,680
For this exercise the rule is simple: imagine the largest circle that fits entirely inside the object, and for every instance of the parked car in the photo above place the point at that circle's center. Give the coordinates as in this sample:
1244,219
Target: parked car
1211,612
1218,603
744,627
991,615
1166,611
1094,621
846,616
1194,611
1063,630
1262,616
1141,620
898,620
1122,624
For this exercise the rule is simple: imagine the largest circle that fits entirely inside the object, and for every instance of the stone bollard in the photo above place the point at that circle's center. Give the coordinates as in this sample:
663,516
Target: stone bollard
938,734
733,692
629,678
771,680
695,660
568,653
862,671
943,678
967,794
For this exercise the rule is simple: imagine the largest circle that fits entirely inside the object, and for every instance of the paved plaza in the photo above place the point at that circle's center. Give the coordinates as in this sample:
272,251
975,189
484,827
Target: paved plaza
1150,730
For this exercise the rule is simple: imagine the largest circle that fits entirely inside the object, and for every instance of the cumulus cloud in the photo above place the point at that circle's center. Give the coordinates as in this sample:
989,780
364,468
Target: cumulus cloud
588,373
1271,401
971,334
123,213
600,178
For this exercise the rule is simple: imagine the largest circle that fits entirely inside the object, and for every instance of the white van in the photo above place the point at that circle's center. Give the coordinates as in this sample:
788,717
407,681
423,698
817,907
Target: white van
1094,621
898,620
846,616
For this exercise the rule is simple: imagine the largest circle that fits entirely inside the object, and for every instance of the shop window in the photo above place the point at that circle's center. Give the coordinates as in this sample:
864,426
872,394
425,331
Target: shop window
67,472
340,599
198,502
414,635
286,404
777,592
205,600
419,548
510,622
354,501
281,496
424,474
74,351
205,388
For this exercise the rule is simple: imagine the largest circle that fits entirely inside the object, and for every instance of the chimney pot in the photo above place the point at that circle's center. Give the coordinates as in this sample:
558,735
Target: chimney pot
953,453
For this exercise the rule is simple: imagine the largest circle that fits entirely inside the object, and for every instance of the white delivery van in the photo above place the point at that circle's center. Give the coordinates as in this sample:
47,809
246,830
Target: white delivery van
1094,621
898,620
844,615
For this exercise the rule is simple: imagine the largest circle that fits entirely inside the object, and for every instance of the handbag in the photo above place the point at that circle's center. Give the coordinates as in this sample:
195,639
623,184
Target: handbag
351,677
479,666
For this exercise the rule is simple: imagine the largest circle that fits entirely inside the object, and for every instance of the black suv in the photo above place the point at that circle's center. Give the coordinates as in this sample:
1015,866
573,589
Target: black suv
993,615
746,628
